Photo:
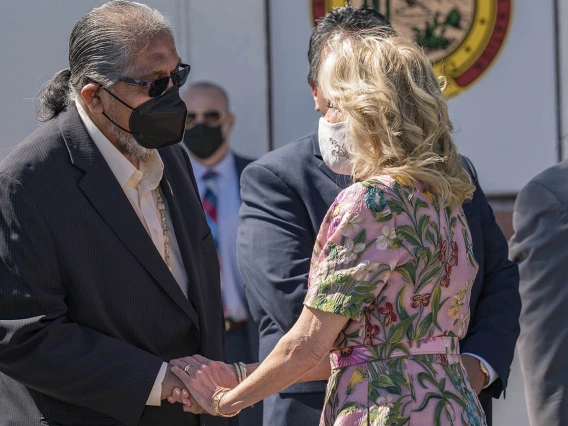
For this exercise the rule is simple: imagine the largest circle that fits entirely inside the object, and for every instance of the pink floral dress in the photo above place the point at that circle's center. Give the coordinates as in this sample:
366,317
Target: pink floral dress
401,270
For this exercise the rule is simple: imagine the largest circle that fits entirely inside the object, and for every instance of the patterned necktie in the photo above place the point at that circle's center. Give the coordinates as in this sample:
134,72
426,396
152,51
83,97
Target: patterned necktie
210,204
210,207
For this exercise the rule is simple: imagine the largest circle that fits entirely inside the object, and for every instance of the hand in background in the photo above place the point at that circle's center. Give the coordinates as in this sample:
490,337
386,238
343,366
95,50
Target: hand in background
205,379
476,376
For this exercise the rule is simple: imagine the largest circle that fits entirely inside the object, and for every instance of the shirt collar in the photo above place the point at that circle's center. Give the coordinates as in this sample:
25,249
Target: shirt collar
151,170
223,168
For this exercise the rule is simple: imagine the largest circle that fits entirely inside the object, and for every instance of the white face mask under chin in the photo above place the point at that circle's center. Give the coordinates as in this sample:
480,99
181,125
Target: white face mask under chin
331,138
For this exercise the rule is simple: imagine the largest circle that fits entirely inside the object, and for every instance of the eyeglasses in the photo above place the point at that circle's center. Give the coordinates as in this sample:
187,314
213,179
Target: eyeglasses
159,86
210,118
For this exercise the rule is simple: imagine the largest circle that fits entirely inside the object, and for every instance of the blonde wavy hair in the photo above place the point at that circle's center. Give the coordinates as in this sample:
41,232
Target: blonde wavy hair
396,117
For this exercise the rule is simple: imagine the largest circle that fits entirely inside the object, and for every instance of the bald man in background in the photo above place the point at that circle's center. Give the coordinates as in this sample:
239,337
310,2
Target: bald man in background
218,171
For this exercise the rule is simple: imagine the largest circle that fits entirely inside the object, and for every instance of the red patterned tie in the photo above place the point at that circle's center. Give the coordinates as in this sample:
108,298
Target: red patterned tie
210,207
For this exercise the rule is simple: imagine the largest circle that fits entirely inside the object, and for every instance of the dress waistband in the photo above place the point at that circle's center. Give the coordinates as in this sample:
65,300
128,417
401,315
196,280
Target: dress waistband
361,354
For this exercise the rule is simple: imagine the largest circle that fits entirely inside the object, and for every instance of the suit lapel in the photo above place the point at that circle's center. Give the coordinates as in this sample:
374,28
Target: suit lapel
240,164
107,197
184,236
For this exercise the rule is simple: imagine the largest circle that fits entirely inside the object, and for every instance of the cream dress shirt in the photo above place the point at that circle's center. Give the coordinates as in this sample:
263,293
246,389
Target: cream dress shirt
139,186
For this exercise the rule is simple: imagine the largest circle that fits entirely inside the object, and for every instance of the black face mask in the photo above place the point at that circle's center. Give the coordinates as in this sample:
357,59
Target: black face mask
158,122
203,140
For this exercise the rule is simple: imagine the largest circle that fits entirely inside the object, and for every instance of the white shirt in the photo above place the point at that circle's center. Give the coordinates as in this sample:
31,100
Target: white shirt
228,205
139,186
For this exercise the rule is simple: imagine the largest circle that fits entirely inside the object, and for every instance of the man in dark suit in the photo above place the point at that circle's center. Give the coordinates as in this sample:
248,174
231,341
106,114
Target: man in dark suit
540,246
218,172
108,268
285,197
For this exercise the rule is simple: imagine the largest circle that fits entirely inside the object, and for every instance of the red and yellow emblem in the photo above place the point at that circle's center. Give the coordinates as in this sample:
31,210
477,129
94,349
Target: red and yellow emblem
461,37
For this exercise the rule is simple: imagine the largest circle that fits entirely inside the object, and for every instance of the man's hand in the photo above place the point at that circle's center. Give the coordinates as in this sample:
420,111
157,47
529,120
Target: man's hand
174,390
476,376
213,375
169,383
226,372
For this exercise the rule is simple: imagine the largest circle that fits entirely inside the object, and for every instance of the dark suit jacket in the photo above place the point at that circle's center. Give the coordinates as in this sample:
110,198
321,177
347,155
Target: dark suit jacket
251,416
241,163
88,308
540,245
285,197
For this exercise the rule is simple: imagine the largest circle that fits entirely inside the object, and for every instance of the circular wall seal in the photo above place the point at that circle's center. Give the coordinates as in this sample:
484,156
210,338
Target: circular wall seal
461,37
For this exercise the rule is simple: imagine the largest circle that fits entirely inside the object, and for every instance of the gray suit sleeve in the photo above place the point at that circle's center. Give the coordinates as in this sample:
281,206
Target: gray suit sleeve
39,346
540,246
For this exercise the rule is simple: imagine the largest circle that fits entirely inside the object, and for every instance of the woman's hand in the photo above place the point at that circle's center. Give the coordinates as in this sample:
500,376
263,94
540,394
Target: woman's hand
205,378
298,352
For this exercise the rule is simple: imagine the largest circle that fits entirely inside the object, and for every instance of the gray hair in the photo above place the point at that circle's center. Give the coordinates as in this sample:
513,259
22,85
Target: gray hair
102,47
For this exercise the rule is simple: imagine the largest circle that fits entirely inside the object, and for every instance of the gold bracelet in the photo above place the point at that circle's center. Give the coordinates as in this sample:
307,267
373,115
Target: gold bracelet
217,400
239,372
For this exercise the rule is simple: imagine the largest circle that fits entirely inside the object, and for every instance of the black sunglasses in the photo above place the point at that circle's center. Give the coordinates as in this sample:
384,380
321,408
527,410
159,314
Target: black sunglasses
210,118
159,86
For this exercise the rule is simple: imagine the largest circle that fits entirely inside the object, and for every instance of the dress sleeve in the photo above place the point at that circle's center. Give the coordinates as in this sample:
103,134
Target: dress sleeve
355,252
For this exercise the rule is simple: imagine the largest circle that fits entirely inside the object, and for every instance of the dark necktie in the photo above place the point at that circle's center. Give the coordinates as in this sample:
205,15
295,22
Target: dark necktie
210,204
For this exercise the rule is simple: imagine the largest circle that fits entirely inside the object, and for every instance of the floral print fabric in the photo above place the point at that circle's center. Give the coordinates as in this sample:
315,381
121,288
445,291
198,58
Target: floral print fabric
401,270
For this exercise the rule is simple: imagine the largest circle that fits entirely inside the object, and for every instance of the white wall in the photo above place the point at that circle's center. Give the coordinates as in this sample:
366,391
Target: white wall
32,49
210,35
228,46
505,122
292,104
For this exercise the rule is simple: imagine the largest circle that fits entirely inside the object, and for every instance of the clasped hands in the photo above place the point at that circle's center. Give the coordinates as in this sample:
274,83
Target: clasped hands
193,381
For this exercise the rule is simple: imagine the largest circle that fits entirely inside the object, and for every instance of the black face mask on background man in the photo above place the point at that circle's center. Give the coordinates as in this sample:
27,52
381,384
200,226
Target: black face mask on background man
203,140
158,122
